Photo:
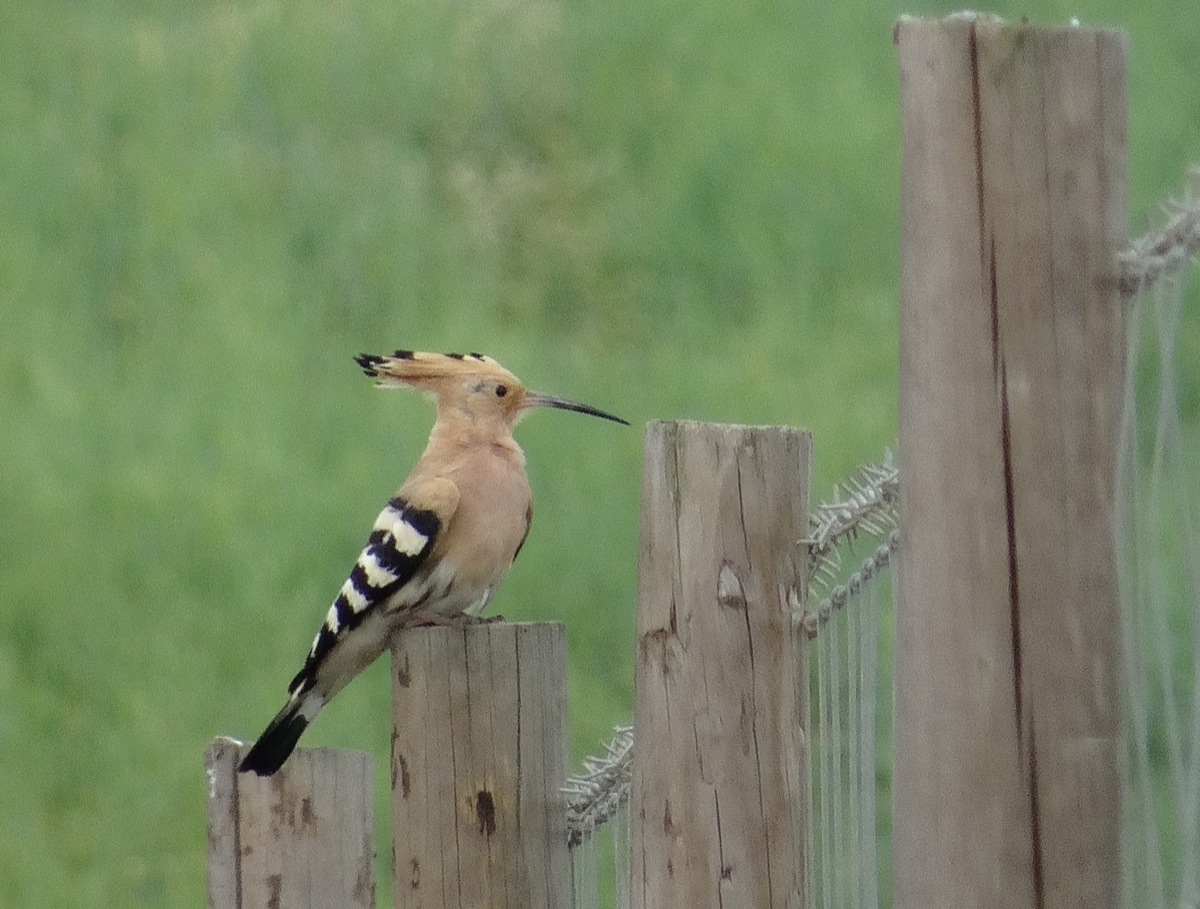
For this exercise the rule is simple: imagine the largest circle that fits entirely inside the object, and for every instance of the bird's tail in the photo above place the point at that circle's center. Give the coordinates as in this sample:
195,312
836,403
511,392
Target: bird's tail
281,735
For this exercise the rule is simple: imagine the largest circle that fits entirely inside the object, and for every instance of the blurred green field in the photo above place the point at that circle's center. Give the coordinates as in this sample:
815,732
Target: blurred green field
665,209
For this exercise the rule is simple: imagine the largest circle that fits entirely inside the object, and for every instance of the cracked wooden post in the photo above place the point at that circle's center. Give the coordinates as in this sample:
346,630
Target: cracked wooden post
303,838
1007,729
479,755
720,796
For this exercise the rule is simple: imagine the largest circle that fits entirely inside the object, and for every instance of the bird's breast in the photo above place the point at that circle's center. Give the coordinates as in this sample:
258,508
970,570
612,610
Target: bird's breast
491,520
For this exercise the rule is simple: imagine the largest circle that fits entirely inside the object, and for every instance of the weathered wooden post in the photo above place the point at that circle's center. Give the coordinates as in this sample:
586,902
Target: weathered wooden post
1007,749
479,753
302,838
720,797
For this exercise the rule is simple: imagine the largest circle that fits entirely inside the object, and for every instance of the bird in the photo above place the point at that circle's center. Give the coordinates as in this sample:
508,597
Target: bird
441,545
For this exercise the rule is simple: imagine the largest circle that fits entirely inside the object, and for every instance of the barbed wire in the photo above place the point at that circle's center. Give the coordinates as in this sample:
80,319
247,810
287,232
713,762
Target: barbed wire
597,794
1163,252
843,594
864,502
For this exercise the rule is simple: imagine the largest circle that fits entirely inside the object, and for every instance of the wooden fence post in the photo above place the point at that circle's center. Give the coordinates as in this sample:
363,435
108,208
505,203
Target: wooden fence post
301,839
720,797
1007,728
479,754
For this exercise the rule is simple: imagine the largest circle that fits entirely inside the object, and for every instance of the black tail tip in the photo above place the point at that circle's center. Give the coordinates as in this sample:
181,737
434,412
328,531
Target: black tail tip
274,746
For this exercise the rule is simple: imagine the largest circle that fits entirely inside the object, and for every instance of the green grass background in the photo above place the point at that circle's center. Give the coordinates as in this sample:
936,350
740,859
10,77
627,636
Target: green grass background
668,209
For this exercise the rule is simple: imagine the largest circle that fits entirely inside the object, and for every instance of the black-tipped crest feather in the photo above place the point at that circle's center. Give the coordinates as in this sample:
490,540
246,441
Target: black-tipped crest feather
368,362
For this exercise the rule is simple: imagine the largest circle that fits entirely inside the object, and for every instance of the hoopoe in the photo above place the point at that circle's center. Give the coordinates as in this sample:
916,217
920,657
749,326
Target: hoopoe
442,544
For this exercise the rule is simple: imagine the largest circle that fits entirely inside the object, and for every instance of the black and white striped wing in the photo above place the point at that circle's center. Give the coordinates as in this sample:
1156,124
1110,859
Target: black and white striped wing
396,553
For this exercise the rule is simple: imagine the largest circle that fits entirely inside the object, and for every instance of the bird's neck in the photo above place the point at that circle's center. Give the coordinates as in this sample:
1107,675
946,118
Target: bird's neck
461,436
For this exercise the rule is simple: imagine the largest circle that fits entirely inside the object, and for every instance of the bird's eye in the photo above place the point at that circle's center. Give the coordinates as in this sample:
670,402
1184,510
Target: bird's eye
501,391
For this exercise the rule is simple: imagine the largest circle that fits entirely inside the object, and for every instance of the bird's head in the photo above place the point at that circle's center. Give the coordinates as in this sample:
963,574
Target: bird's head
470,388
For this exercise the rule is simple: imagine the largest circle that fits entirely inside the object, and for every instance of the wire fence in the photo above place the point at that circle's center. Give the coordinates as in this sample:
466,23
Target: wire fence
865,505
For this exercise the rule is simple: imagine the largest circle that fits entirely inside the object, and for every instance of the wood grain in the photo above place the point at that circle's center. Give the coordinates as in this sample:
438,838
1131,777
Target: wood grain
1007,760
301,839
720,795
479,754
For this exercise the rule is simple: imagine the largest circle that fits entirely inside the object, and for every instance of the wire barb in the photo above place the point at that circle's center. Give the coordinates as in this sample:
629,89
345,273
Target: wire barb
864,502
596,795
1162,253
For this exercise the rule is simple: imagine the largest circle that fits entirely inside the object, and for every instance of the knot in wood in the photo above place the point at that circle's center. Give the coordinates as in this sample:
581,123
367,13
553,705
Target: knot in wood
730,593
485,812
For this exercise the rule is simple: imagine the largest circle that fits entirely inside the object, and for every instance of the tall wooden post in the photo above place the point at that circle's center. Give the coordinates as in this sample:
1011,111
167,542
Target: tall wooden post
1007,749
720,797
479,753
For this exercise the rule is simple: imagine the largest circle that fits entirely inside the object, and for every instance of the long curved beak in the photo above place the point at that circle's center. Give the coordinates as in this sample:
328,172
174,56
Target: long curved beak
538,399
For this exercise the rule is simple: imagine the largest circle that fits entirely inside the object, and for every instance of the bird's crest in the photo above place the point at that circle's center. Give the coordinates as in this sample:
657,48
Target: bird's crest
418,367
490,389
